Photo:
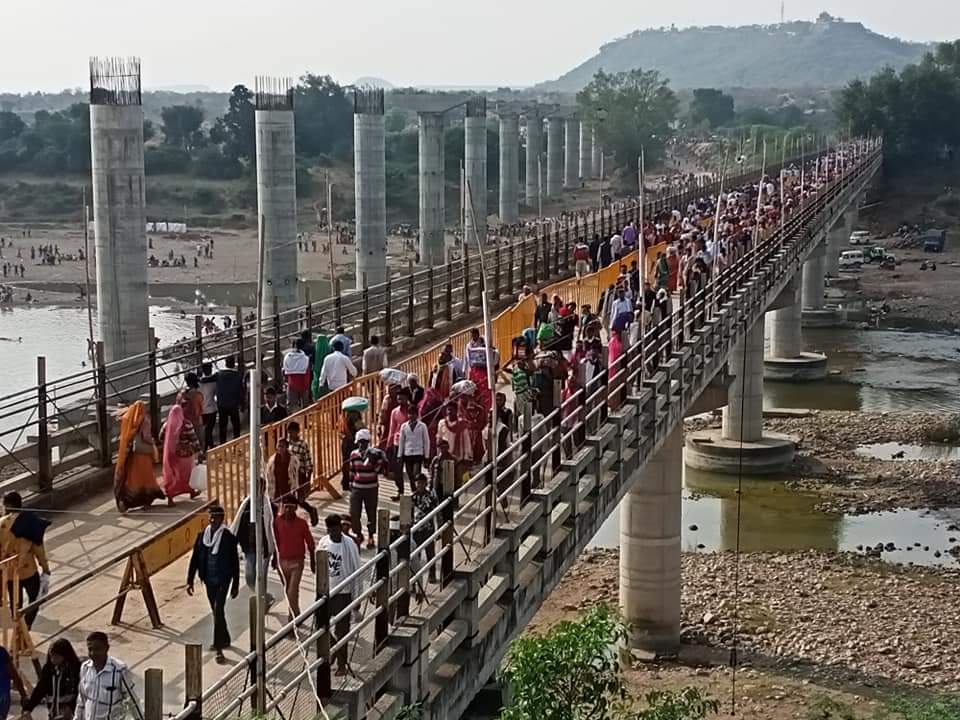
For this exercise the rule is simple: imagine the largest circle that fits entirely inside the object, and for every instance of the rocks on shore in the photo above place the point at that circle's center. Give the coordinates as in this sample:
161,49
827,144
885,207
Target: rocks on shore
837,616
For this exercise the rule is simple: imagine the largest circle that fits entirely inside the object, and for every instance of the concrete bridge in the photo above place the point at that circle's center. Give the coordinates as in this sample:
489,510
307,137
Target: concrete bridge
440,651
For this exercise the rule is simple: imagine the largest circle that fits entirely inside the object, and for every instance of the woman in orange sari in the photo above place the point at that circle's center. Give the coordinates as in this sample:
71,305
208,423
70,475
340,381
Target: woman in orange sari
134,481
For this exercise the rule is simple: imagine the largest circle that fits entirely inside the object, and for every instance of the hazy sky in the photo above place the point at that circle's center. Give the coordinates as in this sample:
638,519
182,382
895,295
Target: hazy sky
44,44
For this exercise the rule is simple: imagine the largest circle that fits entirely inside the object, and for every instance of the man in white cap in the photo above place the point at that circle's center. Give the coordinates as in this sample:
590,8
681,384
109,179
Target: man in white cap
364,468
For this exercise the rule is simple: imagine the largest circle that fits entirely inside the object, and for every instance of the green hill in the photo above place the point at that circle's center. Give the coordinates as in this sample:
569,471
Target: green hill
825,53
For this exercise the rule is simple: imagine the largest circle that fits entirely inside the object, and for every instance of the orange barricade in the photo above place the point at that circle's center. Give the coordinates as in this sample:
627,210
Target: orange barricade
228,465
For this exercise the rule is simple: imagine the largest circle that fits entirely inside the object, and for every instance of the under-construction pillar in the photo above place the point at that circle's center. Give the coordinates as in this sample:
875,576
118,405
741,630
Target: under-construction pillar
475,170
370,186
509,168
432,247
533,156
554,156
571,155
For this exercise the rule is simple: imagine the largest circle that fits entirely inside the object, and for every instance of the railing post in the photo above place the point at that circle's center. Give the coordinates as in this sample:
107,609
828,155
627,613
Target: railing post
309,318
44,469
153,694
449,301
496,272
154,394
277,350
430,299
255,702
411,318
403,555
523,263
566,248
321,621
557,457
388,312
198,334
365,319
381,625
103,427
193,679
546,251
466,278
338,304
526,467
448,485
510,268
239,325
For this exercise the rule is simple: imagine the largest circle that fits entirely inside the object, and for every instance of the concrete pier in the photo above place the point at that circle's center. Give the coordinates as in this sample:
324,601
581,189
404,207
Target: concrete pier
509,168
571,154
554,156
815,312
277,194
650,527
119,206
586,152
370,186
431,178
533,156
787,360
741,443
475,168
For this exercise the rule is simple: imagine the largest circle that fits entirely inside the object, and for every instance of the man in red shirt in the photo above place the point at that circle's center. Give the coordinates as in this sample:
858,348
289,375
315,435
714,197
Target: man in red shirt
294,540
397,418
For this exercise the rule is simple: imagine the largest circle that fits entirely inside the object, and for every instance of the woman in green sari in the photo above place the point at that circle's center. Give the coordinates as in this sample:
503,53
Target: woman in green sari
321,349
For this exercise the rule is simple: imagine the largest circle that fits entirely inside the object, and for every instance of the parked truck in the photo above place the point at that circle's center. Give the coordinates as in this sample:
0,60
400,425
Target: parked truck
934,240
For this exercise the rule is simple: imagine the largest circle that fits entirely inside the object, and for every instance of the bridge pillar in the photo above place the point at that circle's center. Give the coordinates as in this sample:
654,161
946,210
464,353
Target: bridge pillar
370,186
432,244
554,156
533,155
475,169
596,160
650,517
741,444
509,168
586,151
815,311
571,154
787,360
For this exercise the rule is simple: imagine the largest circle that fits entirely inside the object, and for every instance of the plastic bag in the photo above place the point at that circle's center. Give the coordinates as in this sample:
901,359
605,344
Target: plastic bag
198,478
392,376
44,585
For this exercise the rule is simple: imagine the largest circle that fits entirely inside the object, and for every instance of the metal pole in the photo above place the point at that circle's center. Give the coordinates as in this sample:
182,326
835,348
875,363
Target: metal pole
256,496
333,272
540,187
86,273
491,375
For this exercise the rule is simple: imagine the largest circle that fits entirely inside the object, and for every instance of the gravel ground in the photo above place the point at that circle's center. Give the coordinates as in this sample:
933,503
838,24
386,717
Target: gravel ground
834,619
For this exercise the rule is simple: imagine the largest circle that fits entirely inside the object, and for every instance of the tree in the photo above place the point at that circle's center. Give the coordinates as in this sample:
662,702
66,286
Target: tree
235,130
324,117
630,110
181,125
711,106
395,121
571,673
10,126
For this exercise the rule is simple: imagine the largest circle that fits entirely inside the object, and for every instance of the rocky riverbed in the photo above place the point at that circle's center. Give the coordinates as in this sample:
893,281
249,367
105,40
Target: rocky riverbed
854,483
836,620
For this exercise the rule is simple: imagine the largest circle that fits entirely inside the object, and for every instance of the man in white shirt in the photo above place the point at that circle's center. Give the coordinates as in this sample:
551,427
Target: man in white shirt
296,371
413,446
374,357
337,368
343,560
106,690
616,246
621,311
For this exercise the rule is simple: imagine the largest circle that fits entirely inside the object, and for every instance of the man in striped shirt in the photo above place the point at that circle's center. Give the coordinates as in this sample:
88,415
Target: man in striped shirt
364,468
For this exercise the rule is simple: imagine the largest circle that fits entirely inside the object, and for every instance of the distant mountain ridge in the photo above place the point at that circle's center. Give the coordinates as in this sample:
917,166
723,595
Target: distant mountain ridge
825,53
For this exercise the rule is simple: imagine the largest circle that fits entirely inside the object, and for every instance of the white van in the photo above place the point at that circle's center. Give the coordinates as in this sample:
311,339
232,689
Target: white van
860,237
851,259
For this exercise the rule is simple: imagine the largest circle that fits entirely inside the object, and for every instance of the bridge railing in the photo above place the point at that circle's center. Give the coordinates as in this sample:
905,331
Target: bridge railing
472,516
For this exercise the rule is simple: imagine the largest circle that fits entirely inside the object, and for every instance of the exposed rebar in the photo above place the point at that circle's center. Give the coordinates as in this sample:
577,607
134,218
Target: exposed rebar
477,106
115,81
272,93
368,101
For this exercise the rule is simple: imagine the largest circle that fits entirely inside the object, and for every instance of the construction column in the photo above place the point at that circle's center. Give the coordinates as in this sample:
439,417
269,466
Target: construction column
475,169
119,205
741,443
597,155
586,152
534,150
650,515
370,186
509,167
571,155
431,167
554,156
815,312
277,192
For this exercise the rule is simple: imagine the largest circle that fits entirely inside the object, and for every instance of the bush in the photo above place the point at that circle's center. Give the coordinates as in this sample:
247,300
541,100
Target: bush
213,164
165,160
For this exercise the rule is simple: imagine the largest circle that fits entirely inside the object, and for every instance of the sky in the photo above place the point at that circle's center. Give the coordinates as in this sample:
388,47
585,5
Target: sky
45,44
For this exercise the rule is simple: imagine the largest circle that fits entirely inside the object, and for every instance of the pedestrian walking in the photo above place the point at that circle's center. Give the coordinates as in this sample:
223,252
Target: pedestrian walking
216,563
343,560
57,684
294,540
107,690
363,470
21,536
374,357
230,396
244,529
413,446
296,372
208,389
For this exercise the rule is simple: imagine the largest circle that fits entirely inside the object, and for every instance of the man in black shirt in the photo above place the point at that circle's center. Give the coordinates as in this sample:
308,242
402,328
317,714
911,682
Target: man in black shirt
230,395
271,411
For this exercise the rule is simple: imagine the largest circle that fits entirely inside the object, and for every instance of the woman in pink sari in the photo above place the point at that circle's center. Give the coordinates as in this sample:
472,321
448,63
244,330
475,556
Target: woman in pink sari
180,448
616,370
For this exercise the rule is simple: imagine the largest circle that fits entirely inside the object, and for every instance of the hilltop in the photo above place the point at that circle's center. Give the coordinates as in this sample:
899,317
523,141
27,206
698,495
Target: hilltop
826,53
